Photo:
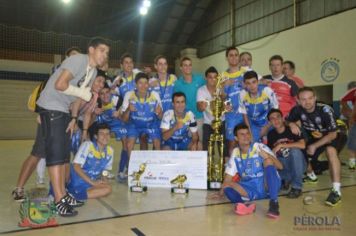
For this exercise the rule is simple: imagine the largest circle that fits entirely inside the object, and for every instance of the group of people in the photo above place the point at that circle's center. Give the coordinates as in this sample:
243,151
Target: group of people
175,114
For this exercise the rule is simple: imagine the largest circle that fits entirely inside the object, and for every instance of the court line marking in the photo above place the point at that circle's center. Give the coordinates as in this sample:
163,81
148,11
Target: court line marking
156,211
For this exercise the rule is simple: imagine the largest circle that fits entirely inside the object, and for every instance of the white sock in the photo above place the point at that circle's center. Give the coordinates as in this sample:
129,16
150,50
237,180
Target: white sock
41,168
312,175
336,187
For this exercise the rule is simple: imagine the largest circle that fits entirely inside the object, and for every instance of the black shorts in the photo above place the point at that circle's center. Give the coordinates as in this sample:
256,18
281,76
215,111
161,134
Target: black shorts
39,147
57,141
321,149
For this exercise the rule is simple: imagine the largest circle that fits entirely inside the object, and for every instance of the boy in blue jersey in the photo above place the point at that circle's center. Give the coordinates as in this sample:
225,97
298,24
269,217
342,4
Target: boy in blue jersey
232,88
255,165
163,85
89,165
110,115
142,110
179,127
256,100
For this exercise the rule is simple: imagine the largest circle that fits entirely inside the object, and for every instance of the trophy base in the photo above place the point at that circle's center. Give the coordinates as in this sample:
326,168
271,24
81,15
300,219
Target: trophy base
179,190
138,189
215,185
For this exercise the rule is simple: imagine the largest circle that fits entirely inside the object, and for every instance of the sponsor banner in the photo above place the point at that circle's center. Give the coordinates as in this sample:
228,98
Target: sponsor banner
164,166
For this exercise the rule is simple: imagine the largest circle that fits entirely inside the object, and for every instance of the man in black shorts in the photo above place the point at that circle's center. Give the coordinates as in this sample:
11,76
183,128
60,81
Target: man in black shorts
318,120
70,81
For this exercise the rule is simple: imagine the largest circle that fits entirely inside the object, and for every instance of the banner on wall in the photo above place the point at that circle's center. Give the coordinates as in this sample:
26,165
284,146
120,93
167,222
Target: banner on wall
163,166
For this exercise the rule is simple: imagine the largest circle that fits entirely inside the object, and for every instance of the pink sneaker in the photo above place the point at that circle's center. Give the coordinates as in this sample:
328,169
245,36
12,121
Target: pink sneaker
245,209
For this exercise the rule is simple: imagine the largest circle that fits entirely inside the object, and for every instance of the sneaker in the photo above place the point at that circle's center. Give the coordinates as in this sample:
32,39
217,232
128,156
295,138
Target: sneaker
307,179
18,194
72,201
273,211
333,199
121,177
64,209
245,209
294,193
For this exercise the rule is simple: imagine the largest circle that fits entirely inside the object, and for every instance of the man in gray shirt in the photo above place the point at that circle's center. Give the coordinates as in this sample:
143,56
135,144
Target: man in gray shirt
72,80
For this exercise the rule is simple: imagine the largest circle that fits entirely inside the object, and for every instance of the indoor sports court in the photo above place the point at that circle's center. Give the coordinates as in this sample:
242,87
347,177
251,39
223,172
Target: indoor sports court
316,36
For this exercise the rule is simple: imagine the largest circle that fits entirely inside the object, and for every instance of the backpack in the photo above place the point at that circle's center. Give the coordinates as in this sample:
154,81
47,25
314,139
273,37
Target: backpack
35,94
37,211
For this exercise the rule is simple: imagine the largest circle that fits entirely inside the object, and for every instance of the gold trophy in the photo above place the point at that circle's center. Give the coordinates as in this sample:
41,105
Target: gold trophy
136,175
216,140
179,180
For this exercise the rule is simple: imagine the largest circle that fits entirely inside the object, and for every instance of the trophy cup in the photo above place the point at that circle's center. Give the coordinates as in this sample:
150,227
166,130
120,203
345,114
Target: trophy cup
136,175
216,140
179,180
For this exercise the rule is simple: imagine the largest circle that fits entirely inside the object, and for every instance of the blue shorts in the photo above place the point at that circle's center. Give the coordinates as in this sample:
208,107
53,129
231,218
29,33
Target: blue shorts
152,133
254,188
230,126
119,132
177,145
77,186
351,141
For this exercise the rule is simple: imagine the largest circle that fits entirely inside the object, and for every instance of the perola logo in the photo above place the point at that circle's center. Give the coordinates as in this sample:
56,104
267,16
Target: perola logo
330,69
310,223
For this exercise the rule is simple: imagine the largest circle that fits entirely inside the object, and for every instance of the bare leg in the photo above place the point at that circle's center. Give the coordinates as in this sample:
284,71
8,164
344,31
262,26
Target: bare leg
335,166
28,166
98,191
57,177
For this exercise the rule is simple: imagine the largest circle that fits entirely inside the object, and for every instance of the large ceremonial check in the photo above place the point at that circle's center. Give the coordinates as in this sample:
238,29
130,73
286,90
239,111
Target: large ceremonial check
159,168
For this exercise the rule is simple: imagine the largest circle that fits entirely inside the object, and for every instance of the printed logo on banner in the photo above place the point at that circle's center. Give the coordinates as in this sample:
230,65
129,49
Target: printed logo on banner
162,166
330,69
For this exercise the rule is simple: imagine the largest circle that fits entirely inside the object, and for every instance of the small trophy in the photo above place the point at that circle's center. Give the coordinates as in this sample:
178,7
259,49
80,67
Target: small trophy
136,175
179,180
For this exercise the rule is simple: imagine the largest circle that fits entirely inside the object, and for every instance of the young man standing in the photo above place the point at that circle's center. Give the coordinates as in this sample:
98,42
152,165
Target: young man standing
288,148
70,81
256,166
142,110
318,120
204,96
256,100
289,71
176,125
285,89
164,84
87,179
189,83
232,89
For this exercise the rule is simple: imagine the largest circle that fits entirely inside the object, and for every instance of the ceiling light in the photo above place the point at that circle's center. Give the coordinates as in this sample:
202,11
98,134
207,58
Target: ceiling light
143,10
66,1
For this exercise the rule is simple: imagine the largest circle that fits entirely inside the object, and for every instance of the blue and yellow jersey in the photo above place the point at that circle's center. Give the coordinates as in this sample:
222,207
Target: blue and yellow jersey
107,115
93,161
232,91
248,166
165,91
169,120
127,85
257,108
145,114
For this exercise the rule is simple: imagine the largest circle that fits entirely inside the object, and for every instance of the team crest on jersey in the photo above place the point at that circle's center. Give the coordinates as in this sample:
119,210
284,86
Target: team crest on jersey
318,120
304,117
